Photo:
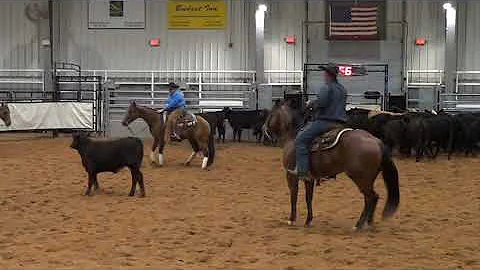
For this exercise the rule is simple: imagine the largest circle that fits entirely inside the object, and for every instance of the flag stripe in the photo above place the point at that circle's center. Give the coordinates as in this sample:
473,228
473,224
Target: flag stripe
364,14
354,24
364,9
354,28
355,33
364,19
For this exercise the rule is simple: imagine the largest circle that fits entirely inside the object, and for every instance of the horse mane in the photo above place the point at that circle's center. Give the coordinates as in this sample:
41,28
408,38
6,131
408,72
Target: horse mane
145,108
297,117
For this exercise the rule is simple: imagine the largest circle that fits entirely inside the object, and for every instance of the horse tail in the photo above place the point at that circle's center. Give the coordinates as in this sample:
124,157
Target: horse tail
211,148
390,177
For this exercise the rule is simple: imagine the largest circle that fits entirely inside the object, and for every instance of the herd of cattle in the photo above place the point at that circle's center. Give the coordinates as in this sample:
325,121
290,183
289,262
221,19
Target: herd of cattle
422,133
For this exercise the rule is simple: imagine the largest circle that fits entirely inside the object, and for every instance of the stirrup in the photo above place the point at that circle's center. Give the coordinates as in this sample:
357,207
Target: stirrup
295,172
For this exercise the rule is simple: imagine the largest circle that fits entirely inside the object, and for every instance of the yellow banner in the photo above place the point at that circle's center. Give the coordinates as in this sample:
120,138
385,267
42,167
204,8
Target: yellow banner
196,14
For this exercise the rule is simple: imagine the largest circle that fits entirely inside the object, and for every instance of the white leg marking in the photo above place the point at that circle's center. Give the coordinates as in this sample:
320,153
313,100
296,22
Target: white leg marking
204,162
160,159
152,156
190,158
289,222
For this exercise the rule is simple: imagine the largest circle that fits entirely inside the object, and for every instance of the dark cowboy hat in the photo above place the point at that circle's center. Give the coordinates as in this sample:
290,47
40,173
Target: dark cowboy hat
172,85
331,69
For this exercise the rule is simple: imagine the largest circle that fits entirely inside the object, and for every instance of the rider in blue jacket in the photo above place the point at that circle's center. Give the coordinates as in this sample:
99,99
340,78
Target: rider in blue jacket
175,100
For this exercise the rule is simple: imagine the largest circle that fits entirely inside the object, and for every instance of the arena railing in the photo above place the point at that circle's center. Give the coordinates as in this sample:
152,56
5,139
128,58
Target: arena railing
422,88
284,77
207,90
204,89
466,96
22,80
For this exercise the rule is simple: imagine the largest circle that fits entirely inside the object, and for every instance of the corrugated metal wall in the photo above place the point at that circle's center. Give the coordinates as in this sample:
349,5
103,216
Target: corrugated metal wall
426,19
209,50
284,18
469,37
18,36
128,49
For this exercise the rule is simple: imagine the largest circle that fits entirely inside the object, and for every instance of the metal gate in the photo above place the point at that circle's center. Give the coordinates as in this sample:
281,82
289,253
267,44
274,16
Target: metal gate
367,85
72,85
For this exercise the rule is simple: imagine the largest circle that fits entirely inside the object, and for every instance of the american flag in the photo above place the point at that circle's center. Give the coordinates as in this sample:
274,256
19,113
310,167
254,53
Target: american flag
355,21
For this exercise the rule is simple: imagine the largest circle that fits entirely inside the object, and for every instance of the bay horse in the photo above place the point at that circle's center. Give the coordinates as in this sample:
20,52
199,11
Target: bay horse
159,129
353,151
5,114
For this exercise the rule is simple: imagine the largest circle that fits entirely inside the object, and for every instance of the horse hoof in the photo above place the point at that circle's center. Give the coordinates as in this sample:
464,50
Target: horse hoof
308,224
355,229
143,195
186,164
290,223
131,194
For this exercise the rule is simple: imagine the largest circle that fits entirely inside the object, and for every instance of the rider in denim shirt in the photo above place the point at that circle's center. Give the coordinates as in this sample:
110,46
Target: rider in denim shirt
328,110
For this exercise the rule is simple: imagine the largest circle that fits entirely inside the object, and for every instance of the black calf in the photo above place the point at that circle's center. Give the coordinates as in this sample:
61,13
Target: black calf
110,156
245,119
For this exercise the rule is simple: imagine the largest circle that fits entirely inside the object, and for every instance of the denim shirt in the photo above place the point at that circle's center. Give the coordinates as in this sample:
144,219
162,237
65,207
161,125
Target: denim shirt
330,103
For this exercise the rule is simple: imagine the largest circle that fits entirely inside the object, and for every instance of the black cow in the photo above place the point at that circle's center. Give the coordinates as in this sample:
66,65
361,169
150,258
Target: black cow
394,135
467,131
439,133
358,118
110,156
245,119
217,122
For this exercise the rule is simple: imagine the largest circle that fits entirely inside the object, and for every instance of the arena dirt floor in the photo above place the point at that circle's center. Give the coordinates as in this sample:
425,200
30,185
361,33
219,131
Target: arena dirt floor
231,216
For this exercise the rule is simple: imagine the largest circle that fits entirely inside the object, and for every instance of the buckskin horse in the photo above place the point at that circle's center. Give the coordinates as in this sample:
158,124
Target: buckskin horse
198,133
5,114
353,151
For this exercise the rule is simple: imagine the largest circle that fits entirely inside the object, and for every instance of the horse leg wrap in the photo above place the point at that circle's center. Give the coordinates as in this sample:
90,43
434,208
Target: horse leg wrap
160,159
204,162
190,158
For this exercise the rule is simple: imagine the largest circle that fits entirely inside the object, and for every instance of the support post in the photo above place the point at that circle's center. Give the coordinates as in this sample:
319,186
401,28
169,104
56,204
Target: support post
260,99
450,46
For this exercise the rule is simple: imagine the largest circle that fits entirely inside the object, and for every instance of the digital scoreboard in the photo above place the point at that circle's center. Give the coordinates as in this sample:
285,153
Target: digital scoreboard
352,70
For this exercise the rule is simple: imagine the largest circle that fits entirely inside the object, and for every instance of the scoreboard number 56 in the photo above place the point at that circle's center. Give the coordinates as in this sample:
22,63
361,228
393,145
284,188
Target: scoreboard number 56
345,70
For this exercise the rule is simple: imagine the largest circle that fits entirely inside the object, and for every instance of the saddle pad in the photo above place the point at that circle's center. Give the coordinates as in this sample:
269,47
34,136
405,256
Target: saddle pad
329,139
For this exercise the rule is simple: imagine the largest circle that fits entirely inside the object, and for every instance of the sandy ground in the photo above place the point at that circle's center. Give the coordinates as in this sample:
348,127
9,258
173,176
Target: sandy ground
231,216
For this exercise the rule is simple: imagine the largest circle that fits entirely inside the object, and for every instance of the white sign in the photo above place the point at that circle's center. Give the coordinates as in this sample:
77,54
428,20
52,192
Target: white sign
104,14
49,115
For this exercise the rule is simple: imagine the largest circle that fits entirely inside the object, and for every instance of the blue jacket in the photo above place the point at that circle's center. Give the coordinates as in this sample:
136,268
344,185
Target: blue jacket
330,102
175,100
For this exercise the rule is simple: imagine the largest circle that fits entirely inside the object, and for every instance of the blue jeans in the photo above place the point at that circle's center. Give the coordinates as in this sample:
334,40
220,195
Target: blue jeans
303,143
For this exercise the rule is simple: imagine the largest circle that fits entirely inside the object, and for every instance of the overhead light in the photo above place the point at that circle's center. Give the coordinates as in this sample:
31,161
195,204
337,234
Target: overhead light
447,6
262,7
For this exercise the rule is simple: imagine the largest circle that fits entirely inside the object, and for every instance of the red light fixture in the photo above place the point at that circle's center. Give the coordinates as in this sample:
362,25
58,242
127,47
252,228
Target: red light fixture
420,41
154,42
290,39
